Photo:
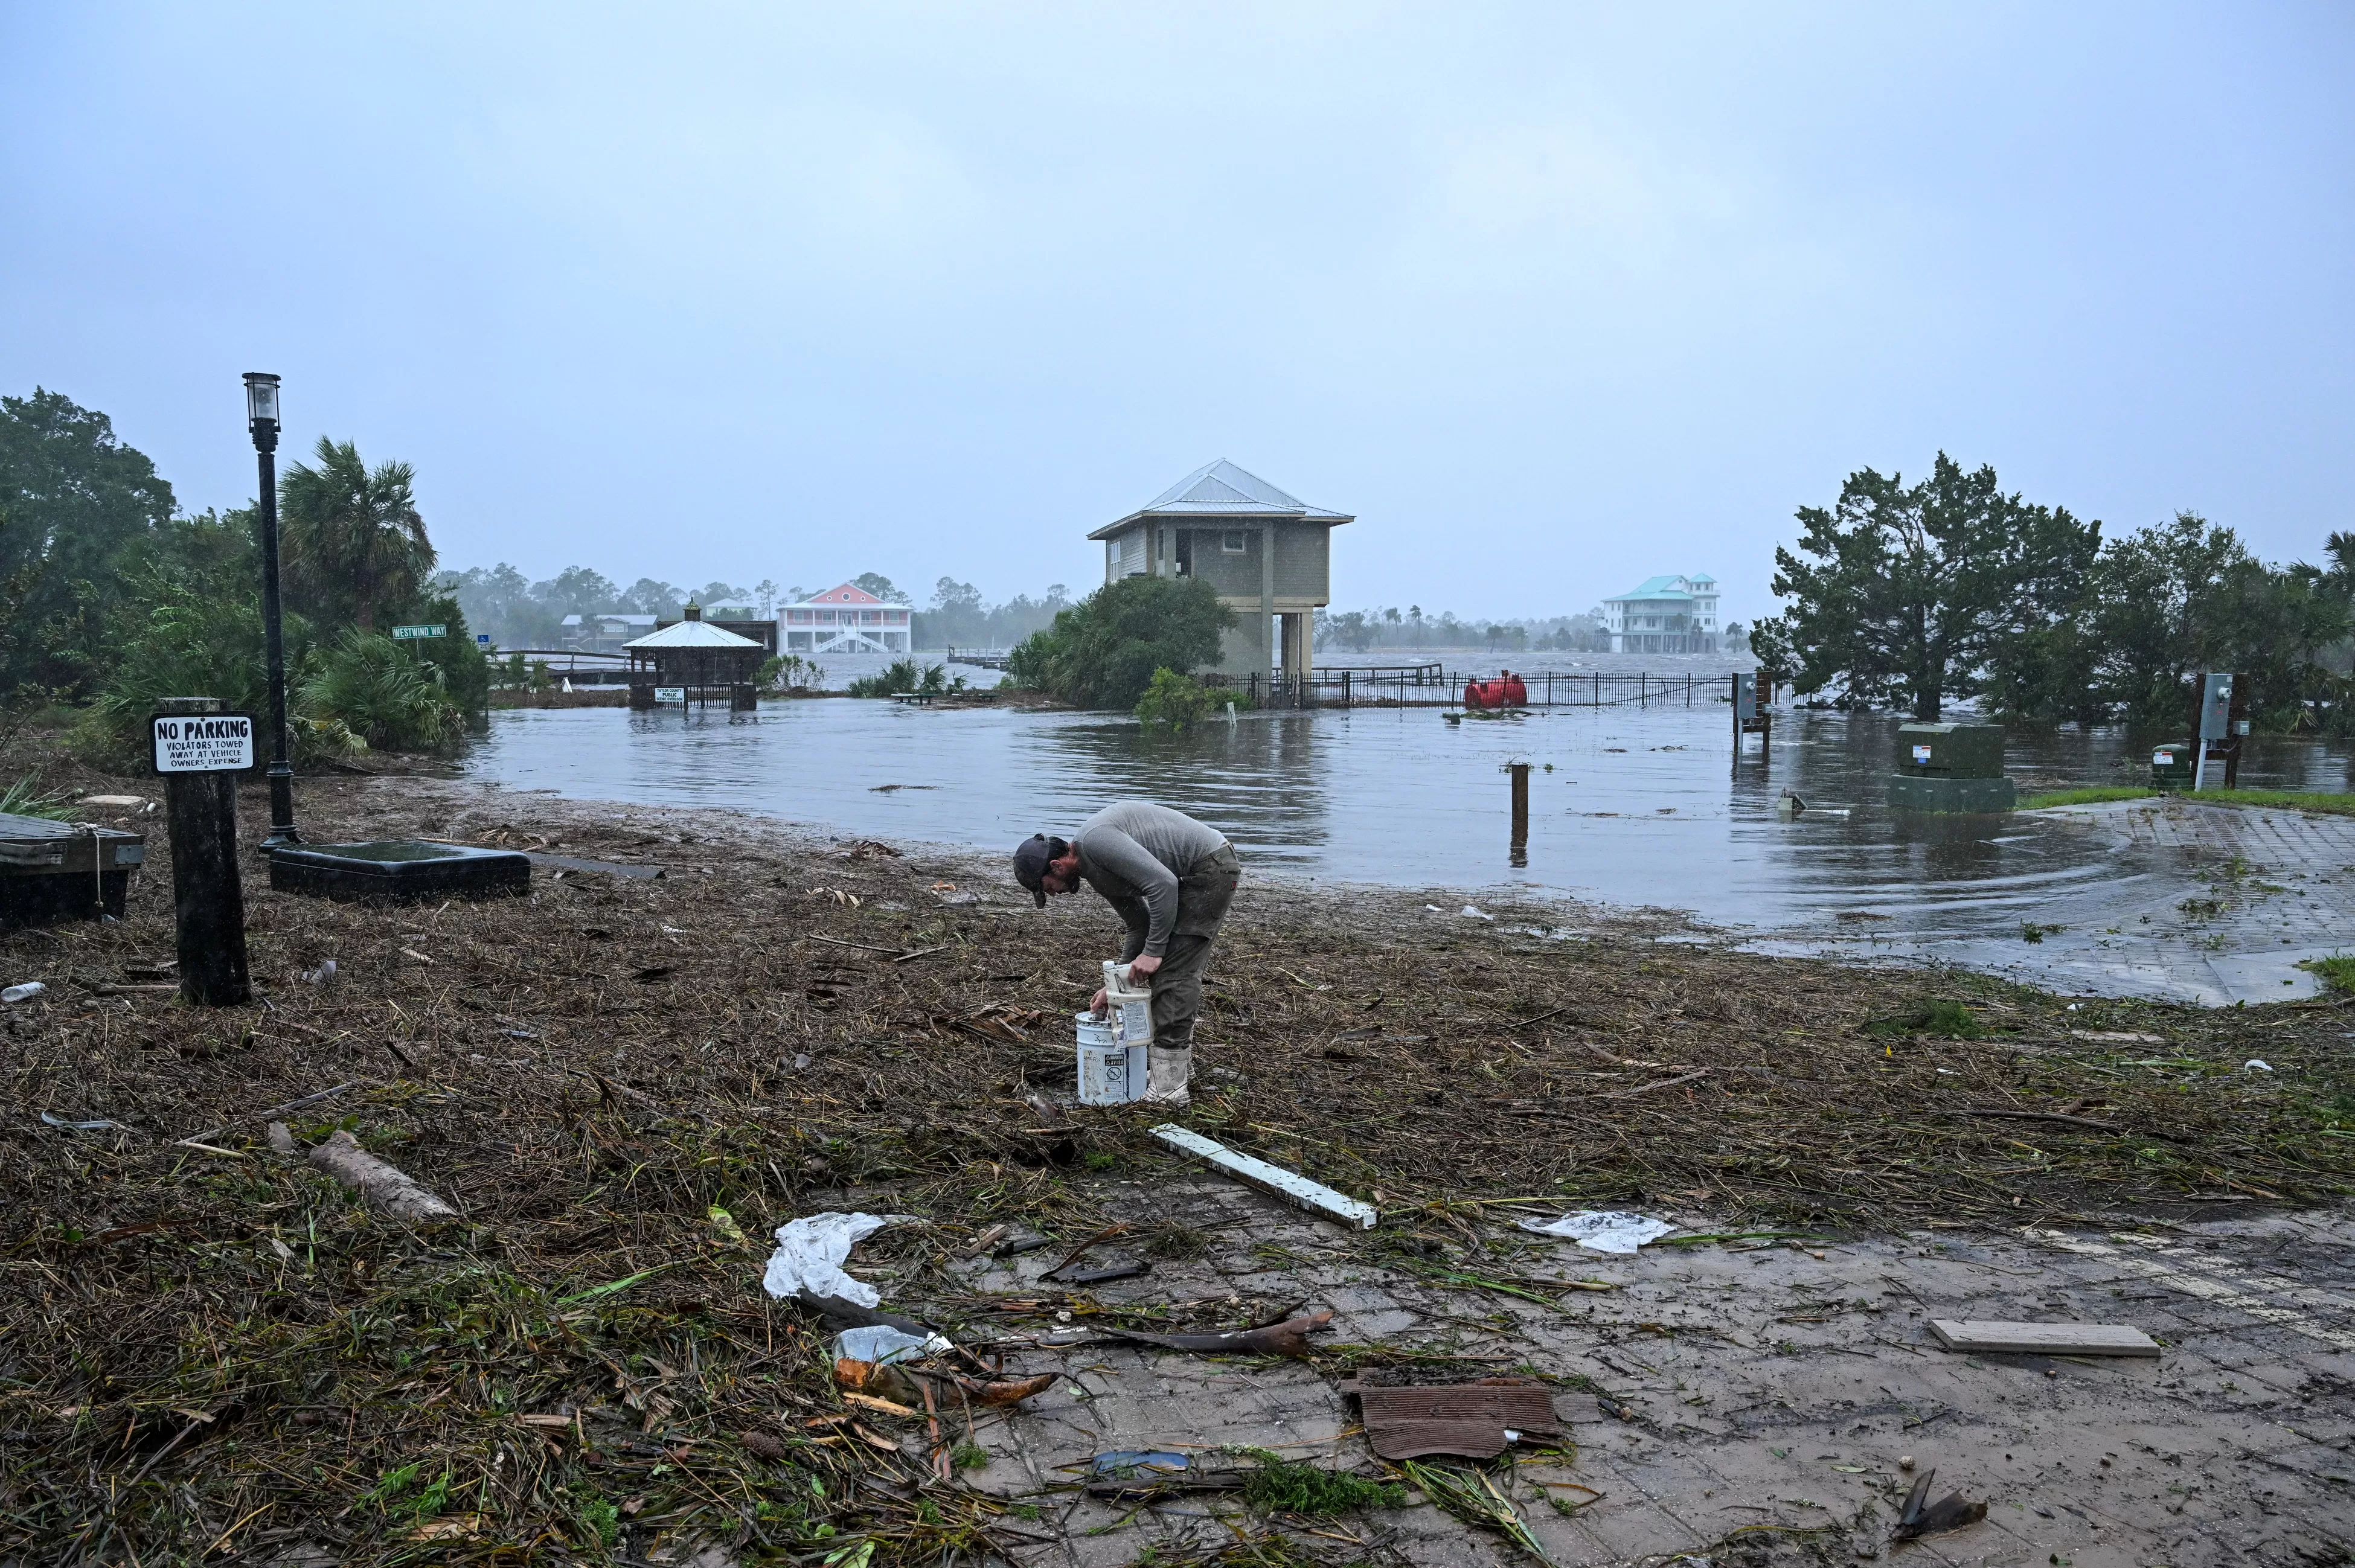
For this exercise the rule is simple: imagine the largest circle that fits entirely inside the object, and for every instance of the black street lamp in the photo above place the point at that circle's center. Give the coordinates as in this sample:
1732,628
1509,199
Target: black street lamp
262,419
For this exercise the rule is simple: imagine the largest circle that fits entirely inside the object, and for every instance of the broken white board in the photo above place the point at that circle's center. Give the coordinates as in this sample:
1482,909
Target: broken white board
2044,1338
1273,1179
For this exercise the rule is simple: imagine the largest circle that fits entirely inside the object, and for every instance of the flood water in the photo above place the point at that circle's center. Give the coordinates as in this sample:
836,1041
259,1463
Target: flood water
1629,807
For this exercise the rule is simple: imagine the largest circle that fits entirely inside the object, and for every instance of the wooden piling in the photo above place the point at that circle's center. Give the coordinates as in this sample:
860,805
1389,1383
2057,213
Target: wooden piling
208,897
1520,773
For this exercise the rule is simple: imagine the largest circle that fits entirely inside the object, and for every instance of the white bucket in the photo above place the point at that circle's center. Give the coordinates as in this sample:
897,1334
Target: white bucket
1111,1073
1131,1002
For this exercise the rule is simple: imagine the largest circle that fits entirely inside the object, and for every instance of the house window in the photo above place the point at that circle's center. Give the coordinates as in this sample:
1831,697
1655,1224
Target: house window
1231,542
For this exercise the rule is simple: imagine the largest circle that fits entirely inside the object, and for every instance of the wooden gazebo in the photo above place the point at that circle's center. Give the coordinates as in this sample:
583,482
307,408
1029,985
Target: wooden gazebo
694,656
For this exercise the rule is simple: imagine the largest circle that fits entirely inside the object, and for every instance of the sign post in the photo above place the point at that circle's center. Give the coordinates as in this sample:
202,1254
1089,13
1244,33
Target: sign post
199,752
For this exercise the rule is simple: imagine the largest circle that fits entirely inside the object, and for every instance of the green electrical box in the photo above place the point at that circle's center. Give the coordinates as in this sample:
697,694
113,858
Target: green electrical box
1950,751
2170,765
1950,767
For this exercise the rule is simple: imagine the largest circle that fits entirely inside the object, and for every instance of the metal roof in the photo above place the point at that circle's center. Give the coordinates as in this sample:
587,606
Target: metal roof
846,593
1222,490
691,635
1662,588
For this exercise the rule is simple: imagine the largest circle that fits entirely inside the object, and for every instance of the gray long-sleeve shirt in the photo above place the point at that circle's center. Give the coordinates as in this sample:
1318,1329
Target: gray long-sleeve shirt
1134,851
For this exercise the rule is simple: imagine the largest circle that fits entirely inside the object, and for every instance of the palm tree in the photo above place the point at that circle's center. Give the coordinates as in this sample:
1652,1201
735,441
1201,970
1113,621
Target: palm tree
355,547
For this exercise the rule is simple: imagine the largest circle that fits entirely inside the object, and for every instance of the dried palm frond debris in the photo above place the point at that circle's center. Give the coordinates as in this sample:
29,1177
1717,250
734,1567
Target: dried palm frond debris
621,1084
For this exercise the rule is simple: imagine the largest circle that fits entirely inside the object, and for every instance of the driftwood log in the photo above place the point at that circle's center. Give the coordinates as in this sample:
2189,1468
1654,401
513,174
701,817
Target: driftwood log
381,1185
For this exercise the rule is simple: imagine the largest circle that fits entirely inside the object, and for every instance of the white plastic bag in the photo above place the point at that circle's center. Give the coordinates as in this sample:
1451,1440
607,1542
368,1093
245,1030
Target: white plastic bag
1602,1231
23,993
811,1251
884,1343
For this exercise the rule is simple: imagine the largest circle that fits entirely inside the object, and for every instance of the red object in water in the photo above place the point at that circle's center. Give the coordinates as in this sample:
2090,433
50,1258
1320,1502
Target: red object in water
1506,691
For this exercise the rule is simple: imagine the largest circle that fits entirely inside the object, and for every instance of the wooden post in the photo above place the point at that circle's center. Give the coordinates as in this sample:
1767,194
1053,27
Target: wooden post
207,899
1521,772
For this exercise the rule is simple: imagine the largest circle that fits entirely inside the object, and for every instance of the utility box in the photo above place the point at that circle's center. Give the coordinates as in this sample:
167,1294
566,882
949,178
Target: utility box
398,871
61,870
1950,751
1951,767
2170,765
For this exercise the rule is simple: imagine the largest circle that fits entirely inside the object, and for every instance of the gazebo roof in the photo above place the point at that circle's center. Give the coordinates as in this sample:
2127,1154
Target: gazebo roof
691,635
1222,490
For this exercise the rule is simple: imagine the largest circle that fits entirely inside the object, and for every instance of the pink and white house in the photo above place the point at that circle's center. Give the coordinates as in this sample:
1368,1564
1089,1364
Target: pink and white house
843,620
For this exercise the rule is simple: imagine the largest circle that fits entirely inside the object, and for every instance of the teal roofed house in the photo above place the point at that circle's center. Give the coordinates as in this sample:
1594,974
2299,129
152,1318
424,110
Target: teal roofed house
1665,615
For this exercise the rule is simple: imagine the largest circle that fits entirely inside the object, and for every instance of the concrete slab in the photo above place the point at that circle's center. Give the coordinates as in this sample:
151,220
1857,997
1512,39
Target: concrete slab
1783,1386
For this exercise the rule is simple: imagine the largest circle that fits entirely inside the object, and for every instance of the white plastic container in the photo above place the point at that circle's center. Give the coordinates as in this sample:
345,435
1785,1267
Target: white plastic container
1131,1004
1110,1072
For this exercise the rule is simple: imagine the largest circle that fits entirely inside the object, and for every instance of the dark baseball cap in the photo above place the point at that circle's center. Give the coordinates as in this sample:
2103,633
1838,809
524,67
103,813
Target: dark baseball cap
1030,859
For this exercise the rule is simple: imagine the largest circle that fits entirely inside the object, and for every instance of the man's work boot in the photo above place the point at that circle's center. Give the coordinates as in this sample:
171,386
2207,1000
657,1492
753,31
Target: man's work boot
1167,1068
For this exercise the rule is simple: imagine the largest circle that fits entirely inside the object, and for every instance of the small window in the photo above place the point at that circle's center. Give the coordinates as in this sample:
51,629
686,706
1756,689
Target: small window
1231,542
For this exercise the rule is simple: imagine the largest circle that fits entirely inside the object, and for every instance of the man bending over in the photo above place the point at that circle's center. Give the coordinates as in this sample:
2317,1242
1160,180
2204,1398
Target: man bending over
1172,879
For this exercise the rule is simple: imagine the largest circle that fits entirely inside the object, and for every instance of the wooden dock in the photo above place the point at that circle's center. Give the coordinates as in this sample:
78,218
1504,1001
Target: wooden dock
1430,686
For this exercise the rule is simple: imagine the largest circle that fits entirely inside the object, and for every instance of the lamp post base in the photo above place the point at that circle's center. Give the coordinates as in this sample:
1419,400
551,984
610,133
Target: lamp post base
281,808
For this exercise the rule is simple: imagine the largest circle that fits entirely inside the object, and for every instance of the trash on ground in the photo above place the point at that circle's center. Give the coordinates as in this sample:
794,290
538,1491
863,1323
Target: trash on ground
1600,1230
2253,1065
1289,1338
877,1379
1273,1179
383,1186
812,1250
1479,1420
1474,913
120,802
23,993
322,974
98,1126
882,1343
2044,1338
2117,1036
1125,1268
1002,1390
1137,1473
1922,1517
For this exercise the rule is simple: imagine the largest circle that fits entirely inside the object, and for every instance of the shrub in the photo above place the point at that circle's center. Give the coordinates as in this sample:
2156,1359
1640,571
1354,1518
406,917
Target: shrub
465,668
383,694
189,643
26,797
903,676
1103,651
1173,702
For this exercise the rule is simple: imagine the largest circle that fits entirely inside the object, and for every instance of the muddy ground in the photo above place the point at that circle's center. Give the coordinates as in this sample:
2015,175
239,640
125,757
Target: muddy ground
624,1081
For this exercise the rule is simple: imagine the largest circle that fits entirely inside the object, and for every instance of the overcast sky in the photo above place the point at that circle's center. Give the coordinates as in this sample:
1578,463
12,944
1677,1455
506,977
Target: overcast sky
1551,297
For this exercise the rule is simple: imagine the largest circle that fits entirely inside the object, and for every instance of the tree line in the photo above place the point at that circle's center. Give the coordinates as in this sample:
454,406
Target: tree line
112,597
1916,596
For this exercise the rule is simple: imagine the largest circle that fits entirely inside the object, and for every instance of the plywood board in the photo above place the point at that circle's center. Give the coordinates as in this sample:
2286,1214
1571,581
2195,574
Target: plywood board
1314,1196
2044,1338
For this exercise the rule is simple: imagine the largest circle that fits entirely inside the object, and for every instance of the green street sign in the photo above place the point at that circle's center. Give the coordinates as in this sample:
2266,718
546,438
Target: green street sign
437,630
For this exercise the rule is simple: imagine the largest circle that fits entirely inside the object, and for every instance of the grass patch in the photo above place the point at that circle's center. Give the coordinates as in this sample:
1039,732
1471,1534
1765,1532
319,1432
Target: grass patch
2289,799
2093,795
1279,1486
2286,799
2336,972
